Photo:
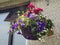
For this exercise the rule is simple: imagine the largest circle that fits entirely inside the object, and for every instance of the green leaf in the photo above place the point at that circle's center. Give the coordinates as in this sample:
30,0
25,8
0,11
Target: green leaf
49,24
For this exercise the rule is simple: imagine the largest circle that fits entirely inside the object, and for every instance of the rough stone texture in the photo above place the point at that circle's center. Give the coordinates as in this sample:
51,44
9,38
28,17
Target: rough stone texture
53,12
11,3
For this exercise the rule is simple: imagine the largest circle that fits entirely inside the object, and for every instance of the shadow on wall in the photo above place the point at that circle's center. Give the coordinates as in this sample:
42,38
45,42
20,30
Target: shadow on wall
4,28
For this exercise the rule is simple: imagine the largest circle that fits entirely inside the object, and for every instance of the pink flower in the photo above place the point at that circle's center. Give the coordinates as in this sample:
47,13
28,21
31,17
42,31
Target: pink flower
31,5
25,14
37,10
30,11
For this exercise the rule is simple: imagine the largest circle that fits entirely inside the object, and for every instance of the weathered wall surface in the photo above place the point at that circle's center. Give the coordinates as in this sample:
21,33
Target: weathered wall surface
53,12
4,4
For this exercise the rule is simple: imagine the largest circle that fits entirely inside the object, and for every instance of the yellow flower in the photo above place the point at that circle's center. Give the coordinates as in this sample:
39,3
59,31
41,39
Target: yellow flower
19,28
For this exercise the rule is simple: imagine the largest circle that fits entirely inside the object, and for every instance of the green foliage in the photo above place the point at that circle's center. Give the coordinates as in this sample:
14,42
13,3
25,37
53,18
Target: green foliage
44,33
49,24
50,32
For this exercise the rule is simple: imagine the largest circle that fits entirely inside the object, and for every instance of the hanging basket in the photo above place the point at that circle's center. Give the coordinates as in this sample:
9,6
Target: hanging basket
33,24
27,34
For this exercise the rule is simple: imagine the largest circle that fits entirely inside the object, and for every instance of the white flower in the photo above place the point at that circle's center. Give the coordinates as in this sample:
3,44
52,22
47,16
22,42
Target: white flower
18,14
47,29
44,30
39,39
39,34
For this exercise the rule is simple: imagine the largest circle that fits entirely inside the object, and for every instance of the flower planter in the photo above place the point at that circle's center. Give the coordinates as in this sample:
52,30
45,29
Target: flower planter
27,34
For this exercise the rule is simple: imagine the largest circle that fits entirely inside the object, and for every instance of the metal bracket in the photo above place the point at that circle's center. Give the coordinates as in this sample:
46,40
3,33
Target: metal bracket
47,2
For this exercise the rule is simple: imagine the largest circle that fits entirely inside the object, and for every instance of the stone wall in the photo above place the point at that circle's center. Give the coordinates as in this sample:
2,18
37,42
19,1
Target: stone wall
11,3
53,12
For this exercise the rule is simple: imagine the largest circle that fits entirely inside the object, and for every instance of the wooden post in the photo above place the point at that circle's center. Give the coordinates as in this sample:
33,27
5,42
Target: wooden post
10,41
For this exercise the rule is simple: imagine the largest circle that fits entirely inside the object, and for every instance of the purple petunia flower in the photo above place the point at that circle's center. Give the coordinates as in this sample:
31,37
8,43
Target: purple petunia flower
13,26
41,25
19,32
16,25
22,24
19,20
10,31
28,14
38,23
32,17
